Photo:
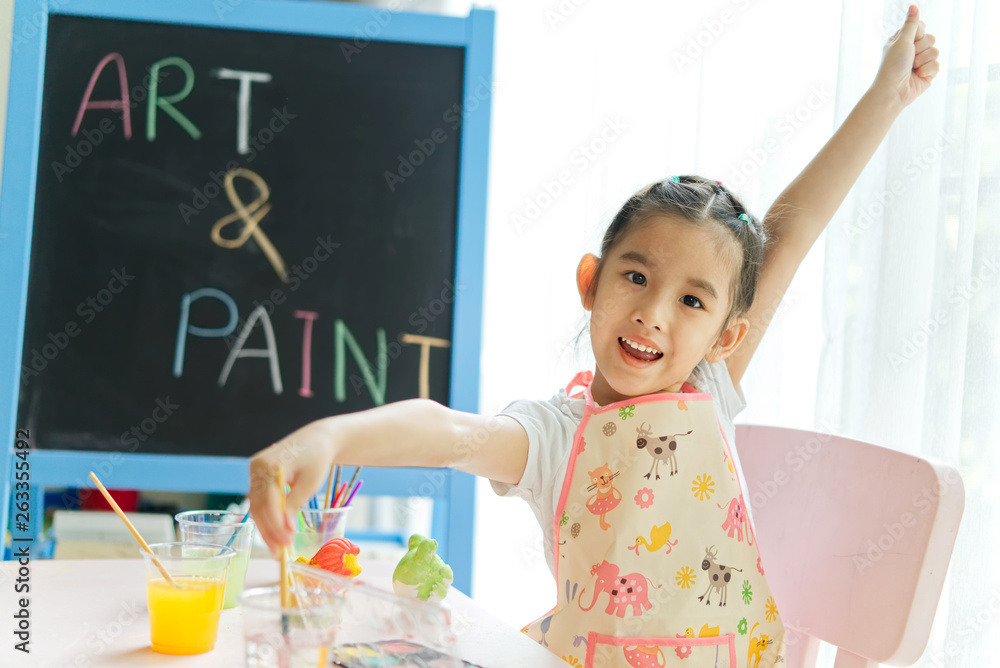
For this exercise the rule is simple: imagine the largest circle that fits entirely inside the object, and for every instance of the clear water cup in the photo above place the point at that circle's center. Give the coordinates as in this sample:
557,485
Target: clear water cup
221,527
315,527
299,635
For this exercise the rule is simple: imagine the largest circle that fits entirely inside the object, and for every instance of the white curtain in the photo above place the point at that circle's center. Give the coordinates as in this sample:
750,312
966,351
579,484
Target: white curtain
888,331
910,328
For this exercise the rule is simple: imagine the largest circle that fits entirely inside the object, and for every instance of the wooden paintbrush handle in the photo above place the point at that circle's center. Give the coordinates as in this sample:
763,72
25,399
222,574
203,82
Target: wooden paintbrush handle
135,532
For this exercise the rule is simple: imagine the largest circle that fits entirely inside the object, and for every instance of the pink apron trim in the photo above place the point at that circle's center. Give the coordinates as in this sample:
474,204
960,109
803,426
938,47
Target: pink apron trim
582,379
564,492
745,493
663,396
595,639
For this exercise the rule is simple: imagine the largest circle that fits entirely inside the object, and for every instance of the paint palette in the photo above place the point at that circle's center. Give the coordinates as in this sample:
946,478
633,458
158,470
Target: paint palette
396,653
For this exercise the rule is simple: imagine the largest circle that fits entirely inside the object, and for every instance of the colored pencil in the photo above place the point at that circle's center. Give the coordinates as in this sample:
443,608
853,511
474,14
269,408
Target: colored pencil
354,491
349,486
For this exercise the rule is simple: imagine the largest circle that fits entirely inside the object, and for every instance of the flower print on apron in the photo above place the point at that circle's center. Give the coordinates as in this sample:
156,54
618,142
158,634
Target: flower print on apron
657,564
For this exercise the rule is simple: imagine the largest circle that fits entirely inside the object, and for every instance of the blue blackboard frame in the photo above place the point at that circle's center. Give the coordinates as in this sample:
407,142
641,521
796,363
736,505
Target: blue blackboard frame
453,492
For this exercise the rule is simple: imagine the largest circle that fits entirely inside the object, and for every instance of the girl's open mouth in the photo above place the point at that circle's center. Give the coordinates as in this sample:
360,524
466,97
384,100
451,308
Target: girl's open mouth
638,350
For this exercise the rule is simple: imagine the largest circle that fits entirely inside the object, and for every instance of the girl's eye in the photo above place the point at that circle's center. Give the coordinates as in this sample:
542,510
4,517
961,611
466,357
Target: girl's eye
636,277
699,304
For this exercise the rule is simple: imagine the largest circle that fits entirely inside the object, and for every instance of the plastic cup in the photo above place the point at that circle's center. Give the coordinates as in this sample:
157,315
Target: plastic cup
220,527
300,635
315,528
184,619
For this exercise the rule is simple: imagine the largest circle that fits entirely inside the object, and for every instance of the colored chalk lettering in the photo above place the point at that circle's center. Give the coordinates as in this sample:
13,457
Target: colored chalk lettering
121,104
270,353
166,102
307,327
184,328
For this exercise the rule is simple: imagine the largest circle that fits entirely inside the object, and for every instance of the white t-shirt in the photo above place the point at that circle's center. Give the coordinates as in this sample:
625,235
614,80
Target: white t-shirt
551,426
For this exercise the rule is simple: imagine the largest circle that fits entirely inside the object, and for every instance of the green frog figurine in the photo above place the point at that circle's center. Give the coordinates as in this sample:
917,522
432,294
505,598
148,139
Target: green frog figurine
421,572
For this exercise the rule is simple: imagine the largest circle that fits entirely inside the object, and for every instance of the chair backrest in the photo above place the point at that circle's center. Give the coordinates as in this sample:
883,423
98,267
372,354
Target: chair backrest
855,540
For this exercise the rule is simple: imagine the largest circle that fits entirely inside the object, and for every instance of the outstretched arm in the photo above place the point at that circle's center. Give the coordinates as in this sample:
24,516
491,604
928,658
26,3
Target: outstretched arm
802,211
417,432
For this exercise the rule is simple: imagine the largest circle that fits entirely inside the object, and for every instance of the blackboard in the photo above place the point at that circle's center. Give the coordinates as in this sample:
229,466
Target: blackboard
382,154
358,143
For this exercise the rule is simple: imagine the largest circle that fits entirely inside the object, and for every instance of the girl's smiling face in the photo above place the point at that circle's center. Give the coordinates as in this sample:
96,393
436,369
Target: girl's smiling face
658,306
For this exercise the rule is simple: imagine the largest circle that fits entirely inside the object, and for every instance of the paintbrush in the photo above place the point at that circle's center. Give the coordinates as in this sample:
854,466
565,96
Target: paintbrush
285,604
331,486
236,531
135,532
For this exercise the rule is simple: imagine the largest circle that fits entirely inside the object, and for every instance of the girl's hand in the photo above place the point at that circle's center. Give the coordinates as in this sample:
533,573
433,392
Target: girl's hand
415,432
909,61
306,456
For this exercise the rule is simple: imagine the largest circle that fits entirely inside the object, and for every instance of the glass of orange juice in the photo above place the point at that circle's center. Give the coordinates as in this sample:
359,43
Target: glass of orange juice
184,615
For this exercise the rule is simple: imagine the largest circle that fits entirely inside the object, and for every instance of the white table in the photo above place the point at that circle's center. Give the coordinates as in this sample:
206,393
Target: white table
93,613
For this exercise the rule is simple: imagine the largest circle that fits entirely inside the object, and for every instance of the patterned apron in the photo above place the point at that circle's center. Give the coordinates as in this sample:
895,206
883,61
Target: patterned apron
651,540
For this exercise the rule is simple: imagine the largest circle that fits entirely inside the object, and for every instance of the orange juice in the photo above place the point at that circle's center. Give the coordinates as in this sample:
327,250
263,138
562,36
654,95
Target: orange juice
184,619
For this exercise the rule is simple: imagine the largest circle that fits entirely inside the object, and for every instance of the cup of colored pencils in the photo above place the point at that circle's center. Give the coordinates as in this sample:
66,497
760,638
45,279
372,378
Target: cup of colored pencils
325,518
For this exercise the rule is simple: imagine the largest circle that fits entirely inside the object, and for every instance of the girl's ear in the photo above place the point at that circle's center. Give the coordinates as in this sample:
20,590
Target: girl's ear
728,341
586,284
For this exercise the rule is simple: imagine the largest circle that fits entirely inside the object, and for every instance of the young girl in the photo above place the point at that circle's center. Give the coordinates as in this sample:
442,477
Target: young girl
633,477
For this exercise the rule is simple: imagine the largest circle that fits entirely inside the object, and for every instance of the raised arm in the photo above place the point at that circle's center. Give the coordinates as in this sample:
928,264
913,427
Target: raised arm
802,211
417,432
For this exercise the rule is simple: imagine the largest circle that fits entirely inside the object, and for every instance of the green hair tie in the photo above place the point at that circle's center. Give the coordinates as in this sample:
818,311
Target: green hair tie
745,218
675,179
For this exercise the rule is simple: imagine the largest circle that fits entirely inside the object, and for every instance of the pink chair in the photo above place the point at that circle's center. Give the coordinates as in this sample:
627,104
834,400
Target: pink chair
855,540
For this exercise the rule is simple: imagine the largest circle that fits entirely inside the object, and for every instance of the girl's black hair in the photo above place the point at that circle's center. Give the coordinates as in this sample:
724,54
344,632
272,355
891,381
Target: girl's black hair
703,202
